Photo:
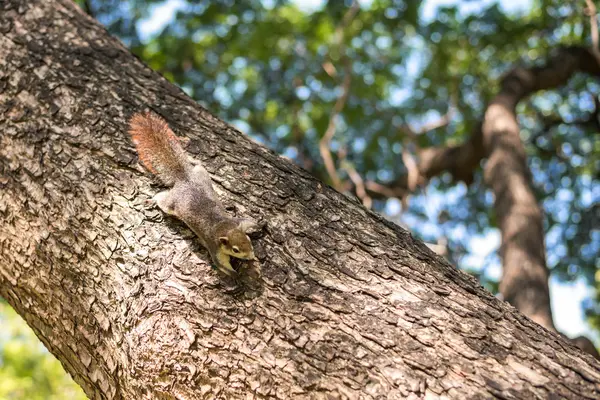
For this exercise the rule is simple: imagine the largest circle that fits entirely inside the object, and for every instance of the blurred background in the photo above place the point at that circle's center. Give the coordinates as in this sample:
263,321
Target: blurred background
371,81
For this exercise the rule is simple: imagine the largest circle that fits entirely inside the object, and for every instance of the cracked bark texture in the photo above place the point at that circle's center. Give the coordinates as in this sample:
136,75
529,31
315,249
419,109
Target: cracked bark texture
350,306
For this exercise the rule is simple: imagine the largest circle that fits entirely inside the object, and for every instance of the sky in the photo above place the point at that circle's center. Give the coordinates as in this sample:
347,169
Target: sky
566,298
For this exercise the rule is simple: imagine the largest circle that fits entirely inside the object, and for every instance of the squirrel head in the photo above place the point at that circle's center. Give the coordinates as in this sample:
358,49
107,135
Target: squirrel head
237,244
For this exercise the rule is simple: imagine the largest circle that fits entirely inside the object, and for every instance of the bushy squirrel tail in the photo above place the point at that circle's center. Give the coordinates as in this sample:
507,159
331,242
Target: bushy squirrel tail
158,147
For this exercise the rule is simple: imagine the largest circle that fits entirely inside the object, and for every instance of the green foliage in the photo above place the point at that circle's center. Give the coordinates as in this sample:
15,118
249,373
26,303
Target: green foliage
27,370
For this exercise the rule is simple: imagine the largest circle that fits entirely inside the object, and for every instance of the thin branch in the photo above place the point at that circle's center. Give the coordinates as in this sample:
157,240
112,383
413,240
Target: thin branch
325,141
378,190
362,189
346,19
330,69
359,184
441,122
591,12
410,139
413,173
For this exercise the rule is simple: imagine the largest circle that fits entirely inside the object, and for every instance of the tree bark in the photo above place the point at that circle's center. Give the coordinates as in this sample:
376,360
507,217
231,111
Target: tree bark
524,282
349,305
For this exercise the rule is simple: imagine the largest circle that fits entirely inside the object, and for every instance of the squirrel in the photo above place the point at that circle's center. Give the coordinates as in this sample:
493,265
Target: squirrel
192,197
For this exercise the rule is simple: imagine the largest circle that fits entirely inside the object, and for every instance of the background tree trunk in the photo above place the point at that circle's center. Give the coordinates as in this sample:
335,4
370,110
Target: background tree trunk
349,305
525,275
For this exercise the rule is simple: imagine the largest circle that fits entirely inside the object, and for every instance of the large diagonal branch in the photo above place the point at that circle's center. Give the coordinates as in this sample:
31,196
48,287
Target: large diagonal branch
349,305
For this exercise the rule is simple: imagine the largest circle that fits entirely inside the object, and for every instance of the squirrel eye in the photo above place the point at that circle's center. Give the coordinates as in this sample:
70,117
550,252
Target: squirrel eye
235,249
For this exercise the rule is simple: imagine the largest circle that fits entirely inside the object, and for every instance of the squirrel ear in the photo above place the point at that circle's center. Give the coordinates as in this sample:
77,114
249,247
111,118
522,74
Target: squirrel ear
224,240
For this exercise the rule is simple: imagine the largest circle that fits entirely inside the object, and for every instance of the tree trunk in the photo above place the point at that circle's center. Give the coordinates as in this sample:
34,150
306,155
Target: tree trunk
524,281
525,275
349,305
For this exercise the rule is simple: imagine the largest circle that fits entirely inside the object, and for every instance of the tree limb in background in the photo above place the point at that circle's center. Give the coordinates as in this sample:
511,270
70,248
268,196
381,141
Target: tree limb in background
525,276
325,142
462,160
592,13
357,180
418,171
410,141
346,19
